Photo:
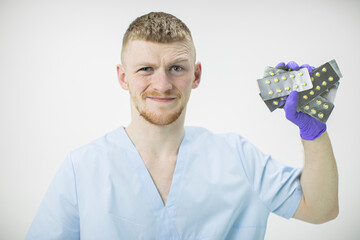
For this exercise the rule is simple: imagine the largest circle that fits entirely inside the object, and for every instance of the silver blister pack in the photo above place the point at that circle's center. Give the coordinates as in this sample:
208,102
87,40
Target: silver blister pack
271,71
316,92
323,78
319,108
282,84
275,103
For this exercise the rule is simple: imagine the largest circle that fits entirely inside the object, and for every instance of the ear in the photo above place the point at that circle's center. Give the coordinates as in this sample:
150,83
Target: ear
122,77
197,75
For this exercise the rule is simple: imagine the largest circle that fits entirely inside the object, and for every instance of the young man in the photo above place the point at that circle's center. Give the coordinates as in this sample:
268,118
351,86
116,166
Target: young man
156,179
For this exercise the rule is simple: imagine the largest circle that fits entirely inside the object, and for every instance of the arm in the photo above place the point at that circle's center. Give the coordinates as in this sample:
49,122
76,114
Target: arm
319,182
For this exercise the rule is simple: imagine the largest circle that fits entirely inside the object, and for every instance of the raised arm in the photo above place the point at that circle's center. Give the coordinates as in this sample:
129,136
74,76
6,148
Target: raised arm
319,179
319,182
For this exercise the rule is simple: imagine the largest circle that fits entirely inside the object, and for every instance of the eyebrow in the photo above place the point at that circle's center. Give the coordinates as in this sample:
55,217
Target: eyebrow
179,60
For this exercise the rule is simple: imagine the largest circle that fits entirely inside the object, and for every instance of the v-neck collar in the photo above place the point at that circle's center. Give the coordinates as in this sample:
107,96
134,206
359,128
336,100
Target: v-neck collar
147,181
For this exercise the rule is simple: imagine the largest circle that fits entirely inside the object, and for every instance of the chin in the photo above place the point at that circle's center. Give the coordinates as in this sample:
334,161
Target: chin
161,119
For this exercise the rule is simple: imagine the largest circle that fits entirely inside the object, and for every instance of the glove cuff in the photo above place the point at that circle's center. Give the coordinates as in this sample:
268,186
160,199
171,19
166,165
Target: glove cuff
312,135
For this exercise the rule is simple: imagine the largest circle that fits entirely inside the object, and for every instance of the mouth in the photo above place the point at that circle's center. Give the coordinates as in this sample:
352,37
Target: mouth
161,99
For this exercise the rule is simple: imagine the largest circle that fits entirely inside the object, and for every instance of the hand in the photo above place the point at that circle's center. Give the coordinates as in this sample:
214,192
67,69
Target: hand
310,128
294,66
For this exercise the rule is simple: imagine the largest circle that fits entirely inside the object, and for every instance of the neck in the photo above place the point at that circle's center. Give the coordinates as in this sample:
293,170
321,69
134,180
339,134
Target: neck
156,140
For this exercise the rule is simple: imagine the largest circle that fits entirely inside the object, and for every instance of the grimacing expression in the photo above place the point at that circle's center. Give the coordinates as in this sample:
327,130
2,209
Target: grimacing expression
160,77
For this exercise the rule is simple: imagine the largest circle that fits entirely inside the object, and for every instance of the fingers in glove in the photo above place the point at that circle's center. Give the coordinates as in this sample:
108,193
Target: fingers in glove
293,65
280,64
290,106
309,68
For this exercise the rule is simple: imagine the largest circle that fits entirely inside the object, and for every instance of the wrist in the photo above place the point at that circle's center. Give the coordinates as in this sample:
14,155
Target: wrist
312,134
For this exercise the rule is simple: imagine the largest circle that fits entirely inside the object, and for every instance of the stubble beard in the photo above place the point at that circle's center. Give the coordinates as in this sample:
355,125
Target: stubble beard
159,119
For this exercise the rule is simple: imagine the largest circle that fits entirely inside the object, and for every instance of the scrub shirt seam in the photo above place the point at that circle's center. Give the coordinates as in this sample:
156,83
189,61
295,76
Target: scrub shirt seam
294,203
251,185
257,195
75,183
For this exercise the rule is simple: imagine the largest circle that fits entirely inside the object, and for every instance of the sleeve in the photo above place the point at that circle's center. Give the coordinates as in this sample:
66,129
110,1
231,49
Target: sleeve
58,215
278,186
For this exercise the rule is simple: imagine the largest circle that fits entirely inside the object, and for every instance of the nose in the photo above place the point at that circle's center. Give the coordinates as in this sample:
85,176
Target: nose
161,82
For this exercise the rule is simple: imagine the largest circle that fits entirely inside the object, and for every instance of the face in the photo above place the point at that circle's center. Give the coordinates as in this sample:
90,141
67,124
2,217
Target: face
159,77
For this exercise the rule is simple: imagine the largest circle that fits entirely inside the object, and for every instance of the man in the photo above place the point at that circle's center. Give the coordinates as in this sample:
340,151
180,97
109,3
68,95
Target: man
156,179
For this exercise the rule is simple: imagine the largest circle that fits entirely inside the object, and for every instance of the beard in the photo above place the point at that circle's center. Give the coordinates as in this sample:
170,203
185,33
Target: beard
161,117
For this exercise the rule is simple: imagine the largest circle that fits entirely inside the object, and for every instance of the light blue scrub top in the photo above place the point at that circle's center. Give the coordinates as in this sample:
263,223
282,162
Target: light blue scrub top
223,188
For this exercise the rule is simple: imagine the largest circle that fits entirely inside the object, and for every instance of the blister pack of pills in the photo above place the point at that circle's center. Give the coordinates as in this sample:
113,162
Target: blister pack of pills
316,92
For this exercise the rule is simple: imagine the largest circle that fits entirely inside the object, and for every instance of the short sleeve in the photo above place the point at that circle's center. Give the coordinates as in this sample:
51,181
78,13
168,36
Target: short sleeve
58,215
278,186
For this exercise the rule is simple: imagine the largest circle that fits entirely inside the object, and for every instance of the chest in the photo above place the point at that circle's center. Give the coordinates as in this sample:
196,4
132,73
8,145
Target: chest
206,198
161,172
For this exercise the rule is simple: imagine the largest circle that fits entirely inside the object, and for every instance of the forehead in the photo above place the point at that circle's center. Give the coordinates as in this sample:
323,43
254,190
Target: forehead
137,51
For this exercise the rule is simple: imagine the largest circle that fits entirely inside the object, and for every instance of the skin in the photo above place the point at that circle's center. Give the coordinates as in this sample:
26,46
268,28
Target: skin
319,182
160,77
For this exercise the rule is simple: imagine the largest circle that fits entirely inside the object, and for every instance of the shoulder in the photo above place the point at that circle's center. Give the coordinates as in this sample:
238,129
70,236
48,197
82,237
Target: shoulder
104,145
230,142
200,134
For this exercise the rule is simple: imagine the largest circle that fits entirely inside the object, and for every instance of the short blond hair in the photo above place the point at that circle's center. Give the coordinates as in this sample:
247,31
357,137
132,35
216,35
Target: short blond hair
157,27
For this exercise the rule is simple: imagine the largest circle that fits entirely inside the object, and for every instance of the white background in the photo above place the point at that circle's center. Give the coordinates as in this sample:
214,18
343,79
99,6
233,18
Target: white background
59,91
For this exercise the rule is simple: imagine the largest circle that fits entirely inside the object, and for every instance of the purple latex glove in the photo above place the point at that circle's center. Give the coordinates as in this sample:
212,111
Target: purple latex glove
310,128
294,66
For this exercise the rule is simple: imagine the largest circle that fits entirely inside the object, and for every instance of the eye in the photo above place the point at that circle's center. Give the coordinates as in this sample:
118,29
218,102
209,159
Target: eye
145,69
176,68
